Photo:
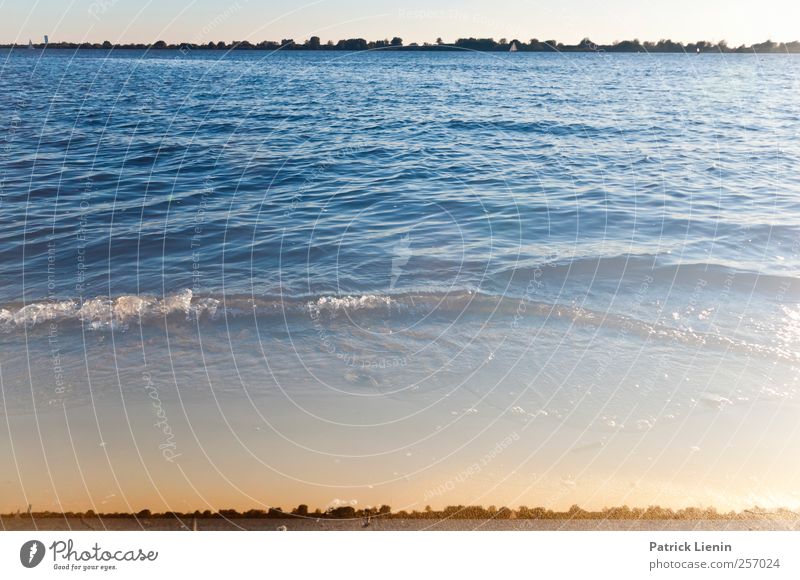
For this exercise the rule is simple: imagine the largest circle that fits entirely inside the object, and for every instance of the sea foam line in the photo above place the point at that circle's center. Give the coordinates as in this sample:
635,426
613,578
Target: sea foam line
105,312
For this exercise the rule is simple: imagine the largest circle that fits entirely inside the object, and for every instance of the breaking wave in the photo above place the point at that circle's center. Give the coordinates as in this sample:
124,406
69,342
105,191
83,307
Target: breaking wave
104,313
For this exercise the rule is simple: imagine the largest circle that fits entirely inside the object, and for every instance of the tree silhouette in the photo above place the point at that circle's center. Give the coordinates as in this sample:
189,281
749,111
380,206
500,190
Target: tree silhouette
474,44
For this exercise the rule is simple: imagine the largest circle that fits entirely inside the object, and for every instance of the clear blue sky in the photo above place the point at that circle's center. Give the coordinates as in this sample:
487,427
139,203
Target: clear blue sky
736,21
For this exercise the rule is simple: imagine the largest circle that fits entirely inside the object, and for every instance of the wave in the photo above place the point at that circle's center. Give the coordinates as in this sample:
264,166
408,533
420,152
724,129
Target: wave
113,313
659,268
104,313
554,128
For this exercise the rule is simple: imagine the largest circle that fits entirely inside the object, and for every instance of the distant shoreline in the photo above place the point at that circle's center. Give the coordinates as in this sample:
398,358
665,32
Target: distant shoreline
177,524
453,512
462,44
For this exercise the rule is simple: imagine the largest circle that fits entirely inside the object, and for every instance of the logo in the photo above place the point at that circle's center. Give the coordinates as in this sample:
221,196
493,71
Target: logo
31,553
402,253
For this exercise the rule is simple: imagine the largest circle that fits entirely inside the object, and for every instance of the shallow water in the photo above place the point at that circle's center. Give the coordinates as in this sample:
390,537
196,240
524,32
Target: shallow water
352,277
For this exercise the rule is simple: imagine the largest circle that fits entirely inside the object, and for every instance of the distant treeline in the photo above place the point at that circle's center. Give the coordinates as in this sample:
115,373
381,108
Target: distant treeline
454,512
472,44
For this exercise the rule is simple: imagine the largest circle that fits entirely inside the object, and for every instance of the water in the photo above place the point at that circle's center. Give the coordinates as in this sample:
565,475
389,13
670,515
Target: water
350,276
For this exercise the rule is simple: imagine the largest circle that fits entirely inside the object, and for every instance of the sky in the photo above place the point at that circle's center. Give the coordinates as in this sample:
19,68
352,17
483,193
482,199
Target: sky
201,21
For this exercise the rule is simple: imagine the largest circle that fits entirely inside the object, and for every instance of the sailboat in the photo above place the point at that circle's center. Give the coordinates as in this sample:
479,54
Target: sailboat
30,44
513,47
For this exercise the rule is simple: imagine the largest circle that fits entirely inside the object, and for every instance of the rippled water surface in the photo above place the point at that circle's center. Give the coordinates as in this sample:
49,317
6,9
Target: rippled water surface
354,274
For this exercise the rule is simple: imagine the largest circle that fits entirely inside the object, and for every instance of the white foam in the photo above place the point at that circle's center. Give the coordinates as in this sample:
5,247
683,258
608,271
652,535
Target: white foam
104,312
337,303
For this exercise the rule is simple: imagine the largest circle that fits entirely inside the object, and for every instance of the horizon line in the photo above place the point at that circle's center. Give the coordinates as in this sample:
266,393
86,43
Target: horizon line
651,512
479,44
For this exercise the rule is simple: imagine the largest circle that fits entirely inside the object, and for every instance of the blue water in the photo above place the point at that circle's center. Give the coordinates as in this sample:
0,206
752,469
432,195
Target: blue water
404,225
299,173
